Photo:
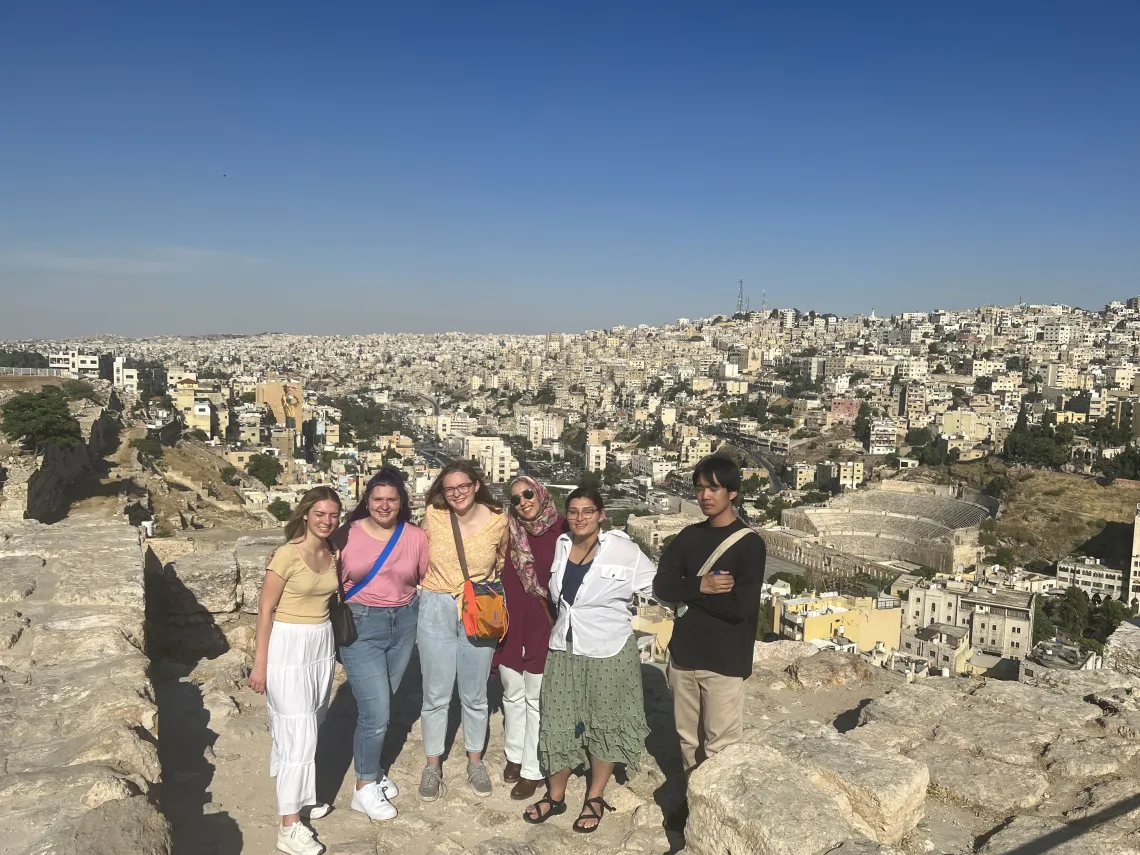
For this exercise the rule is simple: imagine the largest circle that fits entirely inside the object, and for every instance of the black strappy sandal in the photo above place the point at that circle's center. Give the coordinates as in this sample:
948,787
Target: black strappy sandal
556,809
594,808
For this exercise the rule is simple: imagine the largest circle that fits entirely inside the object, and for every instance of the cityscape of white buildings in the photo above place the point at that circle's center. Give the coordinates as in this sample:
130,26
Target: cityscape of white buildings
815,403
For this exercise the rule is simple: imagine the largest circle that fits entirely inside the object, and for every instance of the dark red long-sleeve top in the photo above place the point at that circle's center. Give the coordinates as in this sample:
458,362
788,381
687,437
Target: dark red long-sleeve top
528,635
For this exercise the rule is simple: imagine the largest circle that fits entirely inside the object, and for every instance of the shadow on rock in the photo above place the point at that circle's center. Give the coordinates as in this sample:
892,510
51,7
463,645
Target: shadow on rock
181,633
664,746
198,826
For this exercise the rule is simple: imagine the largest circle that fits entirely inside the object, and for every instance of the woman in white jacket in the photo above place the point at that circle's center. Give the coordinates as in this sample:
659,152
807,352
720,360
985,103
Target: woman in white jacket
592,708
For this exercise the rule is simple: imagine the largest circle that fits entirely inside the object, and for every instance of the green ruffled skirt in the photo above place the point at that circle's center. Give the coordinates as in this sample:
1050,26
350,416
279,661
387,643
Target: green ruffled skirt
592,705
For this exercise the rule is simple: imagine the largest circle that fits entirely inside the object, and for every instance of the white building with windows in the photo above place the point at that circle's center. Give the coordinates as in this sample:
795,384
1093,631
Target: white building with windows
1092,577
79,366
1000,621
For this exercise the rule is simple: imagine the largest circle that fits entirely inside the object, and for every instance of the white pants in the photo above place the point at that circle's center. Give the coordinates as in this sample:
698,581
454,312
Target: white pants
299,676
521,693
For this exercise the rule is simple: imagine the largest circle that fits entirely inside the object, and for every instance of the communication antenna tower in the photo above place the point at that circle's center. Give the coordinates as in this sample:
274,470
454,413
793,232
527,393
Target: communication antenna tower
764,302
740,299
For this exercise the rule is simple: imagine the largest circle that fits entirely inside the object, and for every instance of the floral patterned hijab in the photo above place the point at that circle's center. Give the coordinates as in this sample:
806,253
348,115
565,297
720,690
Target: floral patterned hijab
521,552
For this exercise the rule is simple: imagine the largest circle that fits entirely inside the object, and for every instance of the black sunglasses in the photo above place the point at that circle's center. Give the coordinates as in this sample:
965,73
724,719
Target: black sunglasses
517,500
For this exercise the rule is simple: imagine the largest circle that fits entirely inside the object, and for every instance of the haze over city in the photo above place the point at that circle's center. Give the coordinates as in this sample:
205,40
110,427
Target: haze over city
522,167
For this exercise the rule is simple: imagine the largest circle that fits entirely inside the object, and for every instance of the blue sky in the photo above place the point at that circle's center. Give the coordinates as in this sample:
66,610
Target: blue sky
370,167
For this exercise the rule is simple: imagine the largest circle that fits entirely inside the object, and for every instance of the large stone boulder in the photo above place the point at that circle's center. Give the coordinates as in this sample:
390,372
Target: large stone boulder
202,582
1122,649
885,792
752,801
124,827
252,554
778,655
828,669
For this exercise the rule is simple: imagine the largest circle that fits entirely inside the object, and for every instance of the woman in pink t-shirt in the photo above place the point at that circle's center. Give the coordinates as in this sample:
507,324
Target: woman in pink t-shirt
386,612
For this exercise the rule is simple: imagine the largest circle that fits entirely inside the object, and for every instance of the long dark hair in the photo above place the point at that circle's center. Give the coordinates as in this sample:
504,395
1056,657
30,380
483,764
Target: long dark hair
296,526
438,500
388,476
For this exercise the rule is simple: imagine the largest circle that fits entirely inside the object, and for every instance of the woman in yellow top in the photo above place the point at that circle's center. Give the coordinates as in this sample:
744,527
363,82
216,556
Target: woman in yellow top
445,650
296,656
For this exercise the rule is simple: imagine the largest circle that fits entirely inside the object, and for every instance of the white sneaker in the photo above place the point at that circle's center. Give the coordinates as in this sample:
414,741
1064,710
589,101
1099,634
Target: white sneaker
297,839
318,811
388,787
371,801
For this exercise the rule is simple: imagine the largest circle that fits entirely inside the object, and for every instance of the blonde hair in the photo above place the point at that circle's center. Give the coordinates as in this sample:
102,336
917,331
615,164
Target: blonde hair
295,528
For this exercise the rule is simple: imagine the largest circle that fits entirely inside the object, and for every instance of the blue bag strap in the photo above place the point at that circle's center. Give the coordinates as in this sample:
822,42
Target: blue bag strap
392,541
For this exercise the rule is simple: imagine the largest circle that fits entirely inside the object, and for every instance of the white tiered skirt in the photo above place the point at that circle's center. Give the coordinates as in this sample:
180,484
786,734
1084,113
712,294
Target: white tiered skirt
299,677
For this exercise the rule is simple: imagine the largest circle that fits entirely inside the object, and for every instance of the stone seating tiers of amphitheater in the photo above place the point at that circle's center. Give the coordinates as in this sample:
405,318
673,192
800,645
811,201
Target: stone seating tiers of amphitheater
828,522
950,513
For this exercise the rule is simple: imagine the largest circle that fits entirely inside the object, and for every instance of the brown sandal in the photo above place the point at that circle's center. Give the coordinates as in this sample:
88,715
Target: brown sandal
594,808
556,809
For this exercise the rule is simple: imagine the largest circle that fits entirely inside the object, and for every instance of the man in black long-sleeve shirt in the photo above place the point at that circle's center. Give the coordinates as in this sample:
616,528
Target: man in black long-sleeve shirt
710,654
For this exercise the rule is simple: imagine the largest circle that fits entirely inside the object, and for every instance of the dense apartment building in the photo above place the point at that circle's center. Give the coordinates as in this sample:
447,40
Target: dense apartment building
863,621
943,645
1000,621
78,365
1091,576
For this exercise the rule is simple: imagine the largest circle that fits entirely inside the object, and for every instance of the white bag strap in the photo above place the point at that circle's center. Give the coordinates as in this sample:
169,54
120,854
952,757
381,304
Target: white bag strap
727,544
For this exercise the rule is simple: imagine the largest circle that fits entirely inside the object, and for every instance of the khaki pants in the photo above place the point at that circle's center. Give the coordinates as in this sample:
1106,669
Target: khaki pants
708,705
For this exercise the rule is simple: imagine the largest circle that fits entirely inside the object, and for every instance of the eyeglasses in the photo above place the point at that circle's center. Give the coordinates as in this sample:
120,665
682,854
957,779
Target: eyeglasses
516,500
584,513
459,489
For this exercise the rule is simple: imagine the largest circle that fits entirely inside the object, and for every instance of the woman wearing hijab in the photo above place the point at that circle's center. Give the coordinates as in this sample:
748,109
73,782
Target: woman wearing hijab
534,525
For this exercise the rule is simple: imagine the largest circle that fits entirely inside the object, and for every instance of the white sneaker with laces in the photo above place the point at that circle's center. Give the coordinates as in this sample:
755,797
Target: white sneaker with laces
388,787
317,811
297,839
371,801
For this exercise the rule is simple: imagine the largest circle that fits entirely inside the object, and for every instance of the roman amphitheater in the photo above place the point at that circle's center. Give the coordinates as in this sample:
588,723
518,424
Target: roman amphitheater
933,526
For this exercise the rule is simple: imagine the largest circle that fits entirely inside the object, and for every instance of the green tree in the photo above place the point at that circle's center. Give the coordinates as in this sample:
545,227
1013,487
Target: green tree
39,419
863,423
280,509
22,359
1071,612
612,474
149,449
1043,628
227,473
264,467
80,390
919,436
247,398
798,583
1105,618
590,479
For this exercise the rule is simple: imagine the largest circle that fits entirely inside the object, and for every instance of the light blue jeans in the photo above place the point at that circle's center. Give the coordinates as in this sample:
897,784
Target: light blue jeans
375,664
447,652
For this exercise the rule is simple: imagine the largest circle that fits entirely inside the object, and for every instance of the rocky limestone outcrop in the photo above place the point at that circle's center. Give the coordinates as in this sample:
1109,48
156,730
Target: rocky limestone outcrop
78,723
1053,767
1122,650
827,668
14,496
38,487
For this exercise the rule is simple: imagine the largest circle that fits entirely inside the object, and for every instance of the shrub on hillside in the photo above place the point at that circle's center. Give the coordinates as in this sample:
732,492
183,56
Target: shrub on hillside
39,419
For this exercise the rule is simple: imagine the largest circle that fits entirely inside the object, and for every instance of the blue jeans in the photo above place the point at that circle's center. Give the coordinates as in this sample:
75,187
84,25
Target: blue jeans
375,664
447,652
